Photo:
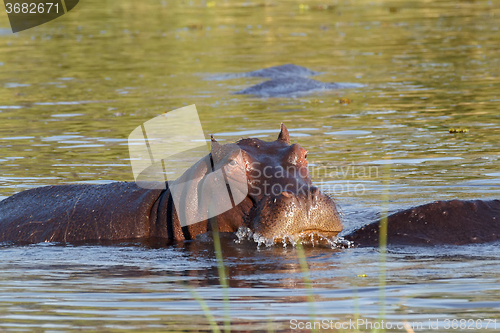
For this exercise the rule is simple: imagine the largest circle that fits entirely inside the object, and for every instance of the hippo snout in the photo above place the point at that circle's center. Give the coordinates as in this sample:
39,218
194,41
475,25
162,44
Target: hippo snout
297,214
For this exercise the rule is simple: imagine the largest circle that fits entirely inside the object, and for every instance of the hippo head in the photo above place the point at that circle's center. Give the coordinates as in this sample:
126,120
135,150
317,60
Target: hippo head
277,199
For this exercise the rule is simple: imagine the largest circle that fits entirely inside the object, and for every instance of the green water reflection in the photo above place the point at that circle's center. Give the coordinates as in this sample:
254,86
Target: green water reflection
426,66
72,90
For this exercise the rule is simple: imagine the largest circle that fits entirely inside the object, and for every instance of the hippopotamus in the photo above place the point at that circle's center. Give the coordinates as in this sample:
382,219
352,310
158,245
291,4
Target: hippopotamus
288,80
274,72
280,204
281,71
285,80
286,86
280,201
455,222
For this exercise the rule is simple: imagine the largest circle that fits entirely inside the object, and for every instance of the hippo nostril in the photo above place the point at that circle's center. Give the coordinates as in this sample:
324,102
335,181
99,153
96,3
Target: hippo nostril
287,194
314,191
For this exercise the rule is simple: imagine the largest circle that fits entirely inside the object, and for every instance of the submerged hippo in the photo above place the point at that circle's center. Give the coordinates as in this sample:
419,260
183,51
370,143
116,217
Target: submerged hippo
441,222
286,86
286,80
280,202
274,72
281,71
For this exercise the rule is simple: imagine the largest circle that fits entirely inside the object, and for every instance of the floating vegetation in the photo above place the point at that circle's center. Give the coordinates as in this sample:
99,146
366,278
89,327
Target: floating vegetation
316,7
322,7
316,101
195,26
458,130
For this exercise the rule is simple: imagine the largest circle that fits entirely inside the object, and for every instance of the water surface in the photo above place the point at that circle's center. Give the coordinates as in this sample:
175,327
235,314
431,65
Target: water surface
72,90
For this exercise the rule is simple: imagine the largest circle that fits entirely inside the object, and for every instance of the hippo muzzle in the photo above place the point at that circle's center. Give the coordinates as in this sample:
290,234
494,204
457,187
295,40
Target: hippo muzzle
284,203
296,215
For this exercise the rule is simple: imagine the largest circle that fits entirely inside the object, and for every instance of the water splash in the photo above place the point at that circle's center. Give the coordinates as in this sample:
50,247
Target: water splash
308,239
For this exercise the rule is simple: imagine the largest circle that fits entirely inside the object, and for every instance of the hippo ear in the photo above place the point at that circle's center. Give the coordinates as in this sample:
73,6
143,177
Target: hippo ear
215,144
216,149
284,135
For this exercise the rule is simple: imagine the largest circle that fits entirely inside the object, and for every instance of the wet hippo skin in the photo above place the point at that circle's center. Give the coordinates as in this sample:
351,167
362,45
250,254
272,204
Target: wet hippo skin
284,86
281,200
441,222
125,211
69,213
287,80
281,71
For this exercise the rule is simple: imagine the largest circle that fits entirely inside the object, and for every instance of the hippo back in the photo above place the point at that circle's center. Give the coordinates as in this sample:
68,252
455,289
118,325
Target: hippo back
440,222
68,213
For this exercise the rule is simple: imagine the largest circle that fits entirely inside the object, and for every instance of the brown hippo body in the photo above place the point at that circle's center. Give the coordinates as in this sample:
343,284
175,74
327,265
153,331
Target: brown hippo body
440,222
70,213
279,201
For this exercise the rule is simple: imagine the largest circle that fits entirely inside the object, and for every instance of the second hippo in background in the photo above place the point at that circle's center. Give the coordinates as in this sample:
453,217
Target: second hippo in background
291,86
286,81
